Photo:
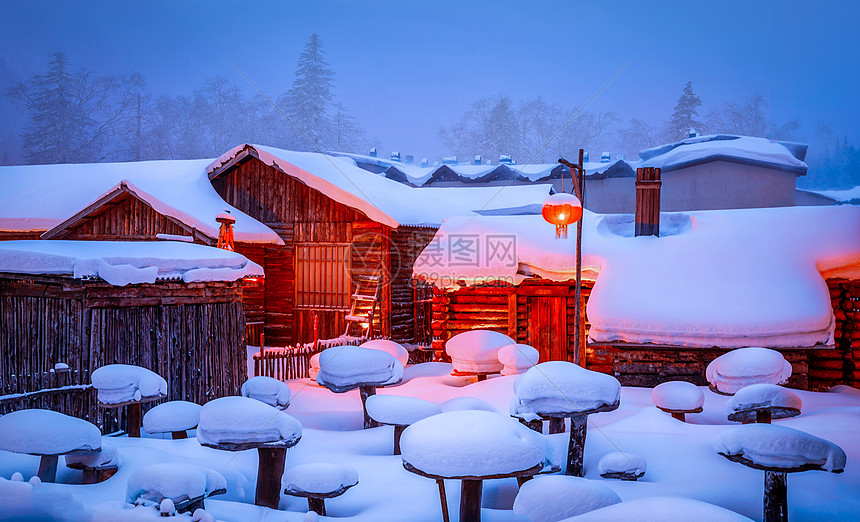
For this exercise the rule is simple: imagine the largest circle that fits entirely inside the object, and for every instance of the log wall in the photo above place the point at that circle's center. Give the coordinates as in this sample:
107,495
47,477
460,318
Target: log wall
190,334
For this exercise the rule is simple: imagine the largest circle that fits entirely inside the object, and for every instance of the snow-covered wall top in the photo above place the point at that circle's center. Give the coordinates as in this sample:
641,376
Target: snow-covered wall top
730,278
513,198
746,149
382,200
120,263
851,195
39,197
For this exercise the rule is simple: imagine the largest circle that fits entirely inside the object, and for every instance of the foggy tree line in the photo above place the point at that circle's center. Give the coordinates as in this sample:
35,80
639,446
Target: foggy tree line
77,116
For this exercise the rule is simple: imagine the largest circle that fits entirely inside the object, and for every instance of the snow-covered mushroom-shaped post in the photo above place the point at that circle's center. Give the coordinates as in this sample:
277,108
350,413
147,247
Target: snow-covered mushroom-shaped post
241,423
48,434
174,417
622,466
778,450
471,446
318,481
678,398
476,352
399,412
185,485
97,467
121,385
562,389
742,367
555,497
269,390
763,403
345,368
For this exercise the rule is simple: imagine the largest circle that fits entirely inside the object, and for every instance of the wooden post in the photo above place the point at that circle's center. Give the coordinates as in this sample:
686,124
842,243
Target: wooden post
775,497
317,505
179,435
444,498
270,469
576,447
470,500
679,415
398,431
556,425
365,392
647,217
763,416
48,468
133,419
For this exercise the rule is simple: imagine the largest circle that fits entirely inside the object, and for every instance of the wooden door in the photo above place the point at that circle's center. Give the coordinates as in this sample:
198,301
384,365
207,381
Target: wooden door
548,327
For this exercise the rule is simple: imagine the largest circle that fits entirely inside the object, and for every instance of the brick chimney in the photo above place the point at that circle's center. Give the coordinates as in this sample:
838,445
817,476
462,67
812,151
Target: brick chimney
648,201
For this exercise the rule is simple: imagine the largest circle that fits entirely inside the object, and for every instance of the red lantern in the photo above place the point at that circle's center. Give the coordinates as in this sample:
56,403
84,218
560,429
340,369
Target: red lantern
561,210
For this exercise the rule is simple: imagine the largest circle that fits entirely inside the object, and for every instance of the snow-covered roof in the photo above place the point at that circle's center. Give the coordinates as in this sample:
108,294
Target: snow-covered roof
731,278
380,199
495,200
851,195
40,197
740,149
121,263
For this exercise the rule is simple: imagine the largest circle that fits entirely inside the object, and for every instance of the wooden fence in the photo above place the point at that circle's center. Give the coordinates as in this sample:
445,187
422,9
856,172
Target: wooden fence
294,362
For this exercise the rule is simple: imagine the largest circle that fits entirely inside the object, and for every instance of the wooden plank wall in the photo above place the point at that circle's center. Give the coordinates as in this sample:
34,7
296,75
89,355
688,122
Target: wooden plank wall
192,335
647,214
406,244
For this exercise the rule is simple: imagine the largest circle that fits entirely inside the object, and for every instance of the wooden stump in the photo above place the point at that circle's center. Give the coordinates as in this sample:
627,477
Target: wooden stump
763,416
398,431
576,447
133,419
366,391
470,500
48,468
317,505
270,469
775,497
556,425
178,435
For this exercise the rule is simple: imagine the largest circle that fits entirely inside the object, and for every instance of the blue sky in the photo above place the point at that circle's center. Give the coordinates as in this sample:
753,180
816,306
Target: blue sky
405,68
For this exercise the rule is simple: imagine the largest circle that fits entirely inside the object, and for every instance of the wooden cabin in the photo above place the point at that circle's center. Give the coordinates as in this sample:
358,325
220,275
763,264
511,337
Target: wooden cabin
63,315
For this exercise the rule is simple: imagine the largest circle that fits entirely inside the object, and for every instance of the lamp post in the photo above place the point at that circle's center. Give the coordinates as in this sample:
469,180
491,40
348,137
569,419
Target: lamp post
561,210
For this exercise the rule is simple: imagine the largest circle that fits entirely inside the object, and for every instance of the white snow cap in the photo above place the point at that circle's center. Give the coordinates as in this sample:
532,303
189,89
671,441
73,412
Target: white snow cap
699,148
739,368
239,420
178,482
769,445
396,350
267,389
346,367
46,432
763,396
400,411
314,366
678,395
118,383
467,403
618,462
661,509
121,263
563,387
471,443
318,478
477,350
550,498
30,501
172,416
108,457
517,358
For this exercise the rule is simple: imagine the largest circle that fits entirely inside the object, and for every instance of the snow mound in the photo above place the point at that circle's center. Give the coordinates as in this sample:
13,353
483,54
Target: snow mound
343,368
241,420
769,445
314,366
661,509
678,395
177,482
118,383
471,443
172,416
618,462
318,478
477,350
25,501
108,457
763,396
46,432
396,350
467,403
401,411
268,390
563,387
517,358
739,368
551,498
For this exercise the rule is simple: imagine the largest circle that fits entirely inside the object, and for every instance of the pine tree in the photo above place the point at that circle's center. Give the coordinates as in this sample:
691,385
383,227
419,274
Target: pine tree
684,117
309,99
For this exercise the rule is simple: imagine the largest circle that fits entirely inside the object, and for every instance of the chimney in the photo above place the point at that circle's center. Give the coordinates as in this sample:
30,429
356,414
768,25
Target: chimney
410,159
395,156
424,162
605,157
478,159
693,133
648,201
585,158
373,152
505,159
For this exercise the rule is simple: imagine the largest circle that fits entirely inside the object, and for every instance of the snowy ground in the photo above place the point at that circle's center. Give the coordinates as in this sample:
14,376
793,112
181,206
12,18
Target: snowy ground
680,459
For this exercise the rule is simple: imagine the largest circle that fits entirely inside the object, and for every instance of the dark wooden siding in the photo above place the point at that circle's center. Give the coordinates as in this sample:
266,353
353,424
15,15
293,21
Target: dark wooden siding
406,244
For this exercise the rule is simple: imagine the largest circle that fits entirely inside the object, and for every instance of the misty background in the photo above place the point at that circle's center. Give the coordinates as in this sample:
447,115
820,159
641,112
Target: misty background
110,81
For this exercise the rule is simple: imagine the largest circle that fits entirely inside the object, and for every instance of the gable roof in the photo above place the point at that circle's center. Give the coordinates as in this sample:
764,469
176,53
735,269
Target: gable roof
380,199
746,150
41,197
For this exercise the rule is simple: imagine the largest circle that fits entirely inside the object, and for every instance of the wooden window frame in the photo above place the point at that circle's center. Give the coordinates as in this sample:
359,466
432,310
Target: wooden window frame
307,297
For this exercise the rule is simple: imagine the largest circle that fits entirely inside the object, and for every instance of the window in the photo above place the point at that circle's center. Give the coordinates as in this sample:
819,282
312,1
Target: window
322,276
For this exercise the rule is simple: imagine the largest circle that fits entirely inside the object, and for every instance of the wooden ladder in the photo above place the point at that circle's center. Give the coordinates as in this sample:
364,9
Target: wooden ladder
363,304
